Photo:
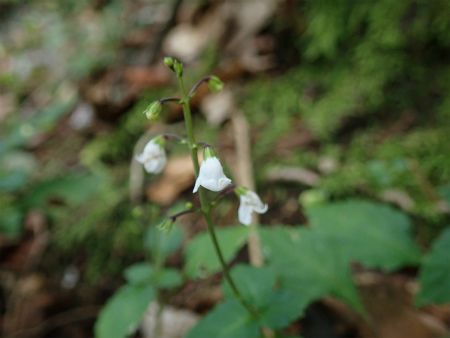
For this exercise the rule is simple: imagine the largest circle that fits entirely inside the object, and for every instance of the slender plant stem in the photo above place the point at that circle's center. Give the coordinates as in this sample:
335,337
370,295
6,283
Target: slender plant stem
205,206
203,79
230,281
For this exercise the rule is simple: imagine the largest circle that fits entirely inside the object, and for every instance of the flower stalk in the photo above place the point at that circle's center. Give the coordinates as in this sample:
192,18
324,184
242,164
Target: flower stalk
205,206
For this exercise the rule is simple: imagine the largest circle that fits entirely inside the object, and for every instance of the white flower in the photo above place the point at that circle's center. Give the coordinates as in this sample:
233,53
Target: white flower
211,174
154,156
250,201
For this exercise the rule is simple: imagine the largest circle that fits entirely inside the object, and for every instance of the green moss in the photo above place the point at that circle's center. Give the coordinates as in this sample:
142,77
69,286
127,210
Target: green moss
364,66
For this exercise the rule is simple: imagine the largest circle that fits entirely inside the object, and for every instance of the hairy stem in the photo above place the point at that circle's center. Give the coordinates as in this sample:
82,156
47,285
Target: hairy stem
205,206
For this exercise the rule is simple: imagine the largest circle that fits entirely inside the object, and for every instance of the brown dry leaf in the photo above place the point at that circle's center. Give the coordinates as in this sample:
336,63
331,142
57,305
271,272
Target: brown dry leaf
399,198
388,300
178,176
293,174
217,107
148,77
27,307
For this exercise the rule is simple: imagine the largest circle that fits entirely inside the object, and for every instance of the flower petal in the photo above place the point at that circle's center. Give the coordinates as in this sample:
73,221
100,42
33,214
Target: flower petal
261,209
211,175
197,185
245,214
223,182
210,184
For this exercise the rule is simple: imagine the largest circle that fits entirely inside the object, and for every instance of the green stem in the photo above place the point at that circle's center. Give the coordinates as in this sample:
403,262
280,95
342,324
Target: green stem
205,206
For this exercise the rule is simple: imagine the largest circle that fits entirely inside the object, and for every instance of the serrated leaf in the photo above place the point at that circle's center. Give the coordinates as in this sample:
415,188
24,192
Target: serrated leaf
375,235
139,273
227,320
161,244
277,308
123,312
309,264
434,275
168,278
201,258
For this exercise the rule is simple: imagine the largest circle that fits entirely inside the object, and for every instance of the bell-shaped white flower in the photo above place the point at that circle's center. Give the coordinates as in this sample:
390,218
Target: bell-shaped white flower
154,155
211,174
250,202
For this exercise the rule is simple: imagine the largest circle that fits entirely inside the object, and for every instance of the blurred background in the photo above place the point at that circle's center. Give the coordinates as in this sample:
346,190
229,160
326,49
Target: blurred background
326,100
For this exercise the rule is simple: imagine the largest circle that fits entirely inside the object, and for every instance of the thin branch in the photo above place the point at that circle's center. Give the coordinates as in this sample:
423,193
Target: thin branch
167,136
170,99
203,79
169,24
190,211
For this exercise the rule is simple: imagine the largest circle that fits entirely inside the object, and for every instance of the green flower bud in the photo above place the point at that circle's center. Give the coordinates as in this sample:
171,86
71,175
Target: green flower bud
215,84
166,226
153,110
189,206
178,67
168,61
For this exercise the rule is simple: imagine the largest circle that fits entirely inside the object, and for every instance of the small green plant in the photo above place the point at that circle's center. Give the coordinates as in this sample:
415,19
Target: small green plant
144,281
304,264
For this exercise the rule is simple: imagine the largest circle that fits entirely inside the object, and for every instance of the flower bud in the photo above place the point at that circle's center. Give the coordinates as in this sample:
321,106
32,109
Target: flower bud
153,110
215,84
166,225
178,67
168,61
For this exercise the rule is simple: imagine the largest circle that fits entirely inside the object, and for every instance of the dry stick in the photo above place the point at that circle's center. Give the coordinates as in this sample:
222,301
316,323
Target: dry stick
169,24
61,319
245,178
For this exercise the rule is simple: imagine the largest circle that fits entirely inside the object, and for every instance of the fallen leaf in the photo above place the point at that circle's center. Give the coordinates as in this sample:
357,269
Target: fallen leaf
178,175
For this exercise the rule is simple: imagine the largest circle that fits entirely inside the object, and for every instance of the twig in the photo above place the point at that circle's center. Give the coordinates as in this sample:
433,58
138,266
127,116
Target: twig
61,319
165,30
245,178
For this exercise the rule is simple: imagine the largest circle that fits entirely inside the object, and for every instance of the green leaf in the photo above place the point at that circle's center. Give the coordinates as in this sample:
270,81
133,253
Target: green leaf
168,278
277,308
123,312
12,181
11,224
201,258
73,188
375,235
434,274
309,264
281,308
253,283
227,320
143,273
139,273
444,191
161,244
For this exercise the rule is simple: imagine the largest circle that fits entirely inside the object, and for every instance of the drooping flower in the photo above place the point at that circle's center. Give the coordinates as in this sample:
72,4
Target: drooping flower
154,155
250,202
211,174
